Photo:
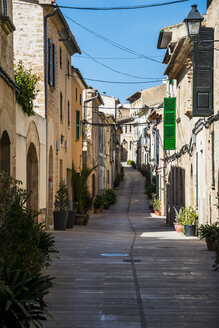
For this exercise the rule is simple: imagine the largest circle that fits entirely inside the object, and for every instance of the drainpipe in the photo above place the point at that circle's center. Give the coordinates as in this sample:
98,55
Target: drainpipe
46,108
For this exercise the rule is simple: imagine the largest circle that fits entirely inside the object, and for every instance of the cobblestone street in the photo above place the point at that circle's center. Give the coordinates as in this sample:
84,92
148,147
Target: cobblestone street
166,281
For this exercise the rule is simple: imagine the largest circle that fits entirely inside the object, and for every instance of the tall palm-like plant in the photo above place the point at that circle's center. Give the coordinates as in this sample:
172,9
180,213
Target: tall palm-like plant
81,195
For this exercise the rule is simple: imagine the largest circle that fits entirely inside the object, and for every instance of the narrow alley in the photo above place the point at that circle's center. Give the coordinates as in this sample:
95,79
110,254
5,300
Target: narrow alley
128,269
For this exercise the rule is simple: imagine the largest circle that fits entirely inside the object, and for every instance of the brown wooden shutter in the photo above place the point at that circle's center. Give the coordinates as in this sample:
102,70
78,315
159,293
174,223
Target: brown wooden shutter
203,74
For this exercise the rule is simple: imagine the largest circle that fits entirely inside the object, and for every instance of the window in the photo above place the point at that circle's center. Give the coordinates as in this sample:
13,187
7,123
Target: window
80,99
61,170
77,125
60,57
76,94
68,114
130,128
51,63
130,145
126,128
68,69
61,113
5,8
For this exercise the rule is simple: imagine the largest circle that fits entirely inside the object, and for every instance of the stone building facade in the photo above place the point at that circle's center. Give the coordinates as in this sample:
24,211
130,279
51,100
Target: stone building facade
192,168
8,90
29,42
78,85
91,123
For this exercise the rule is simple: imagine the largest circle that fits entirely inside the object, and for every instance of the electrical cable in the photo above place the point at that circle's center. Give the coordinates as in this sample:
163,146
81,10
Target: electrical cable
122,82
122,8
115,58
113,43
114,70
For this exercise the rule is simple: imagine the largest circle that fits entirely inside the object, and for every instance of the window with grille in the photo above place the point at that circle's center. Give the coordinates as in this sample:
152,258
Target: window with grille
51,63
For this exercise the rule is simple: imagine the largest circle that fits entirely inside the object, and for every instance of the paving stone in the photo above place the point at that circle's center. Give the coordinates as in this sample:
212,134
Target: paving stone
177,286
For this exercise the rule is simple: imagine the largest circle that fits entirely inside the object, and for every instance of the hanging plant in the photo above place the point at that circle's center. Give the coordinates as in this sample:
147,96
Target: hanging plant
27,83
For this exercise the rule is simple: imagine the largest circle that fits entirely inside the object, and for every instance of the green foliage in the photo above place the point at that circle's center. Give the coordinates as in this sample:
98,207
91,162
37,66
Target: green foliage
129,162
209,232
186,216
179,218
61,198
27,83
150,189
216,259
26,250
119,178
22,302
98,201
81,195
155,202
110,197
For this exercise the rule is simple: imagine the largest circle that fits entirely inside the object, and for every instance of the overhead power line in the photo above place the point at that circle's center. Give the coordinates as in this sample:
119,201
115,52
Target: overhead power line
122,82
113,43
116,71
123,7
116,58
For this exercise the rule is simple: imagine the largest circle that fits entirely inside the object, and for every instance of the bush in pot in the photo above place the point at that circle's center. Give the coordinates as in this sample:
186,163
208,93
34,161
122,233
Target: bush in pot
209,233
190,221
156,203
179,219
81,196
61,204
110,197
98,204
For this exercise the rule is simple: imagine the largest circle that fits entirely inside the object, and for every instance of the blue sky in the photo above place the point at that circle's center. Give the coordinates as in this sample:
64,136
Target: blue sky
135,29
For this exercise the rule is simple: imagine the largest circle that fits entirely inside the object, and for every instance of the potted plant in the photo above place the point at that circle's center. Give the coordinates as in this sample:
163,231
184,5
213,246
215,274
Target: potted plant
81,195
60,215
209,233
190,221
156,204
98,204
179,218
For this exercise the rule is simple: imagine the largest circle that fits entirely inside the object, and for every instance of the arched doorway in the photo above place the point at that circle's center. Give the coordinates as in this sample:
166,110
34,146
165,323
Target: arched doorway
5,152
50,188
32,177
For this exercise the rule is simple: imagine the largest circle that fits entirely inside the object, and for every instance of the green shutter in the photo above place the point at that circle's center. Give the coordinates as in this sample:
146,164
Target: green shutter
203,74
61,114
77,124
169,123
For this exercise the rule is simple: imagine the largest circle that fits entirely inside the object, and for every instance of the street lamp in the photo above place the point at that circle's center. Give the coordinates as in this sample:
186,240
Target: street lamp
193,23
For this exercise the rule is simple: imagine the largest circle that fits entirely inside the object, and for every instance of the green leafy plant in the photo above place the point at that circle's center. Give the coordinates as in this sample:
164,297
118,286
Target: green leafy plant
216,259
98,201
156,203
81,195
110,197
22,302
27,84
190,216
119,178
61,198
209,232
179,218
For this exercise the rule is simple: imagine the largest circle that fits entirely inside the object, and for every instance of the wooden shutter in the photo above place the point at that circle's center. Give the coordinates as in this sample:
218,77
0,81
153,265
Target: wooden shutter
49,62
157,146
68,113
203,74
53,65
77,125
169,123
61,114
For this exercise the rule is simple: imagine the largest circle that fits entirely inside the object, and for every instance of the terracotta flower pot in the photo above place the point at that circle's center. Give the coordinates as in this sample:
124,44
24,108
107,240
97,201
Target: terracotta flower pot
98,210
79,219
157,213
178,227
